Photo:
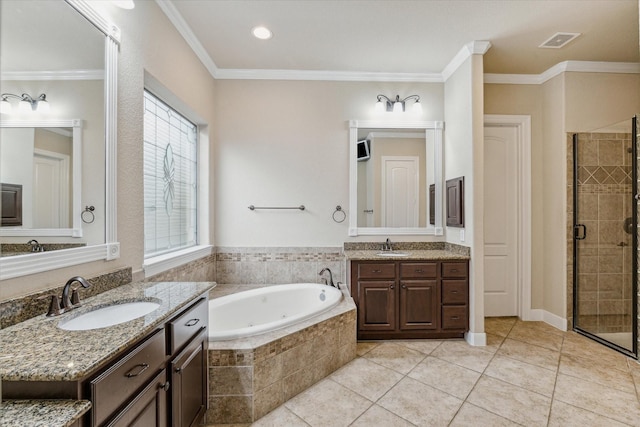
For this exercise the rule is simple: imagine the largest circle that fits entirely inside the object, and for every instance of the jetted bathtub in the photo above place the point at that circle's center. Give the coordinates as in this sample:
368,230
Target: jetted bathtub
269,308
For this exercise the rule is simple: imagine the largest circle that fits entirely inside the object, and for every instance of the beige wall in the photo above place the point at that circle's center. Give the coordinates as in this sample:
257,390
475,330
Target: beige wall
149,43
285,143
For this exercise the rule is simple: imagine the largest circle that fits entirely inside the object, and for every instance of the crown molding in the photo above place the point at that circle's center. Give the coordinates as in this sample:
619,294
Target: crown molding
477,47
563,67
346,76
183,28
54,75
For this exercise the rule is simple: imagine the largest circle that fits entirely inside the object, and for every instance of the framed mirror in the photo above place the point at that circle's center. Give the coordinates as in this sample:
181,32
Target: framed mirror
395,178
59,61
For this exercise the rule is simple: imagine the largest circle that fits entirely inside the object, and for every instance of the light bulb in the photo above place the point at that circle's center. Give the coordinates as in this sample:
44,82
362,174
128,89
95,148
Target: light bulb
417,108
380,106
397,107
5,107
24,106
262,33
43,106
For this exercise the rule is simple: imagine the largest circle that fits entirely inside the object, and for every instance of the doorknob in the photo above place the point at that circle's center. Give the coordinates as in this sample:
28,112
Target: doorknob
576,231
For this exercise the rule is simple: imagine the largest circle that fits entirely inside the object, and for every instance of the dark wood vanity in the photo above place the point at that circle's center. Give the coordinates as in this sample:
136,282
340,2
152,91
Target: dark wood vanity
159,380
411,298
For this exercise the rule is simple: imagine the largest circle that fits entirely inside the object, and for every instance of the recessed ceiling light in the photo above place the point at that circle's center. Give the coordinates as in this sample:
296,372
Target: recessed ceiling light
558,40
262,33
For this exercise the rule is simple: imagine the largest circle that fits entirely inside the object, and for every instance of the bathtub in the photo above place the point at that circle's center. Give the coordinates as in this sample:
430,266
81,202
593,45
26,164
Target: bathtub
269,308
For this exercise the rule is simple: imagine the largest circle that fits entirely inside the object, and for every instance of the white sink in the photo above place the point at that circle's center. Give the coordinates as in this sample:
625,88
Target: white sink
393,254
109,316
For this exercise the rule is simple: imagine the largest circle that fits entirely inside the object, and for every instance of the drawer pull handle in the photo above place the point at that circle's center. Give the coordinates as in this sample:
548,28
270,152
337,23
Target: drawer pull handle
140,369
454,317
377,271
454,270
419,270
192,322
454,292
165,386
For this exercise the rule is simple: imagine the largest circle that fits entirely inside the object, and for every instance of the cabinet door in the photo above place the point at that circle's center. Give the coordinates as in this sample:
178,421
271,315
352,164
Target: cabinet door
419,304
189,383
148,408
376,305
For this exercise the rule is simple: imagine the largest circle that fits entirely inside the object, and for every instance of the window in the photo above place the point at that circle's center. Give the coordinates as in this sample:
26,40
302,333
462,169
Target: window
170,179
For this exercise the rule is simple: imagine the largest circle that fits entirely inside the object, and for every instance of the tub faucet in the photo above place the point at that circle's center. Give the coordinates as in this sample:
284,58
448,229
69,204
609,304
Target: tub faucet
69,302
330,282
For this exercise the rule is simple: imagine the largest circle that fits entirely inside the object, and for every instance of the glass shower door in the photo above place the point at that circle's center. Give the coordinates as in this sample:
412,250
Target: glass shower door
605,235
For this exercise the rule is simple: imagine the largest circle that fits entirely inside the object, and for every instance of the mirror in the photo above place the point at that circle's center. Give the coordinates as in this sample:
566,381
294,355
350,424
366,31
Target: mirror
42,160
395,178
68,51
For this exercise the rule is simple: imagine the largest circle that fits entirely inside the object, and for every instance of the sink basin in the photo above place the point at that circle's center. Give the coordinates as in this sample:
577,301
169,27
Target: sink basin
109,316
393,254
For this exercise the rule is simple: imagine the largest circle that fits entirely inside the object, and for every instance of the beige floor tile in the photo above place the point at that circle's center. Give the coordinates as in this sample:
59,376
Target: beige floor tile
279,417
512,402
378,416
464,355
393,356
597,372
540,327
602,400
471,415
423,346
536,355
366,378
525,375
493,342
328,404
537,336
445,376
420,404
581,346
365,346
564,415
499,325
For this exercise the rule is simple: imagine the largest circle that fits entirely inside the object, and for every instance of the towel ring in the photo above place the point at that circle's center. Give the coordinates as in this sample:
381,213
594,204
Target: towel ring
87,215
341,215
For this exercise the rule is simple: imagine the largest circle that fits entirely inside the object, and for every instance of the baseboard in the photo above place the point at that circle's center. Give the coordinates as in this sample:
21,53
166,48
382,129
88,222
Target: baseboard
476,339
547,317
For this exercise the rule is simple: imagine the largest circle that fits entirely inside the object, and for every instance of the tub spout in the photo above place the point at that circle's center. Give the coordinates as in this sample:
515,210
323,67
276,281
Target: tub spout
330,282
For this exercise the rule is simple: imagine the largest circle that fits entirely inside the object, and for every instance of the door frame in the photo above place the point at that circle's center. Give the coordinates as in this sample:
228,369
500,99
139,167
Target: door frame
522,125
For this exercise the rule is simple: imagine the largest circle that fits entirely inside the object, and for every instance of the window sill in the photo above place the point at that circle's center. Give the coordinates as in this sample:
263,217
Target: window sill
162,263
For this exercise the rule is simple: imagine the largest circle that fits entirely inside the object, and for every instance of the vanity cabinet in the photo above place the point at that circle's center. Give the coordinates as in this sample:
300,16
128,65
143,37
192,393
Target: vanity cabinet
410,299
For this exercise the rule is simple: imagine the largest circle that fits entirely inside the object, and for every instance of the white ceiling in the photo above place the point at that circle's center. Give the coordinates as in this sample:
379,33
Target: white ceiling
406,36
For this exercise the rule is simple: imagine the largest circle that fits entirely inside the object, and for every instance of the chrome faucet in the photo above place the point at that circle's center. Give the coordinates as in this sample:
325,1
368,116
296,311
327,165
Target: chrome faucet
35,246
70,302
330,282
387,246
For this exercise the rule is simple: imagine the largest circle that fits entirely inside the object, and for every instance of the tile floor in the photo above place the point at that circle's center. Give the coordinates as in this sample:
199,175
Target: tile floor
529,374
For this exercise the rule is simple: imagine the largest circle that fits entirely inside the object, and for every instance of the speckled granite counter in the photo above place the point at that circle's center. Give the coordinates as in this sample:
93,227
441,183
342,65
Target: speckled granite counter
37,350
42,413
434,254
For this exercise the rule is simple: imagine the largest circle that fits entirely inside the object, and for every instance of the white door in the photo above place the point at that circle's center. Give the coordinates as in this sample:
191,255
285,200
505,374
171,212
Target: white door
500,221
400,191
50,190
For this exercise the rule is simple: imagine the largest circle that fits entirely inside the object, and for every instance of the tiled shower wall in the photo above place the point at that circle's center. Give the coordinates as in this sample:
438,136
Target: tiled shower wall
605,202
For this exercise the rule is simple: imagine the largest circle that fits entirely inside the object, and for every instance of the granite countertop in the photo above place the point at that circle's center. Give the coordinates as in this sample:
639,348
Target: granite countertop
37,350
42,413
420,254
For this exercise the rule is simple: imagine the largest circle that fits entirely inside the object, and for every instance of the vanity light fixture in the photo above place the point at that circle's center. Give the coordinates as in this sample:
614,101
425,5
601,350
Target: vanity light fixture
398,105
26,103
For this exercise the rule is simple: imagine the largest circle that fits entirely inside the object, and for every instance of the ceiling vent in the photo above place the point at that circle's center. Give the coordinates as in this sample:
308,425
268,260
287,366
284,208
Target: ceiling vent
559,40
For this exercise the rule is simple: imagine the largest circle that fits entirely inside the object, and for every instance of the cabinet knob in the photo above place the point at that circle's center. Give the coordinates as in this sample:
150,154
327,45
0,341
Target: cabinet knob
404,286
137,370
165,386
391,287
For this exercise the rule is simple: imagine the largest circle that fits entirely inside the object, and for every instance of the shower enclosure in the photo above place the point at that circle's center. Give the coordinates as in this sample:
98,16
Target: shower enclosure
605,235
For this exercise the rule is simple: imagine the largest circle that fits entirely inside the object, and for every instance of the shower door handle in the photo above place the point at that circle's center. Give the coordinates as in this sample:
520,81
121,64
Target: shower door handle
576,231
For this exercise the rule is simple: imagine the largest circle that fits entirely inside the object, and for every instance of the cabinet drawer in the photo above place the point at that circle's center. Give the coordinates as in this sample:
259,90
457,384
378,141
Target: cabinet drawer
419,270
120,382
455,269
455,292
377,271
188,324
455,317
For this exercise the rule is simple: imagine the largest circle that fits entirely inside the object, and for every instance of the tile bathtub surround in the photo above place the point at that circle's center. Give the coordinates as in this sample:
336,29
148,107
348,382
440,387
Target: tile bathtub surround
249,377
530,375
20,309
277,265
42,413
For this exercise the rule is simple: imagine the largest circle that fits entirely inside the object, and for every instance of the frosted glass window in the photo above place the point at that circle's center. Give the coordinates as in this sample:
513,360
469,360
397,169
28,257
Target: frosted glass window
170,179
